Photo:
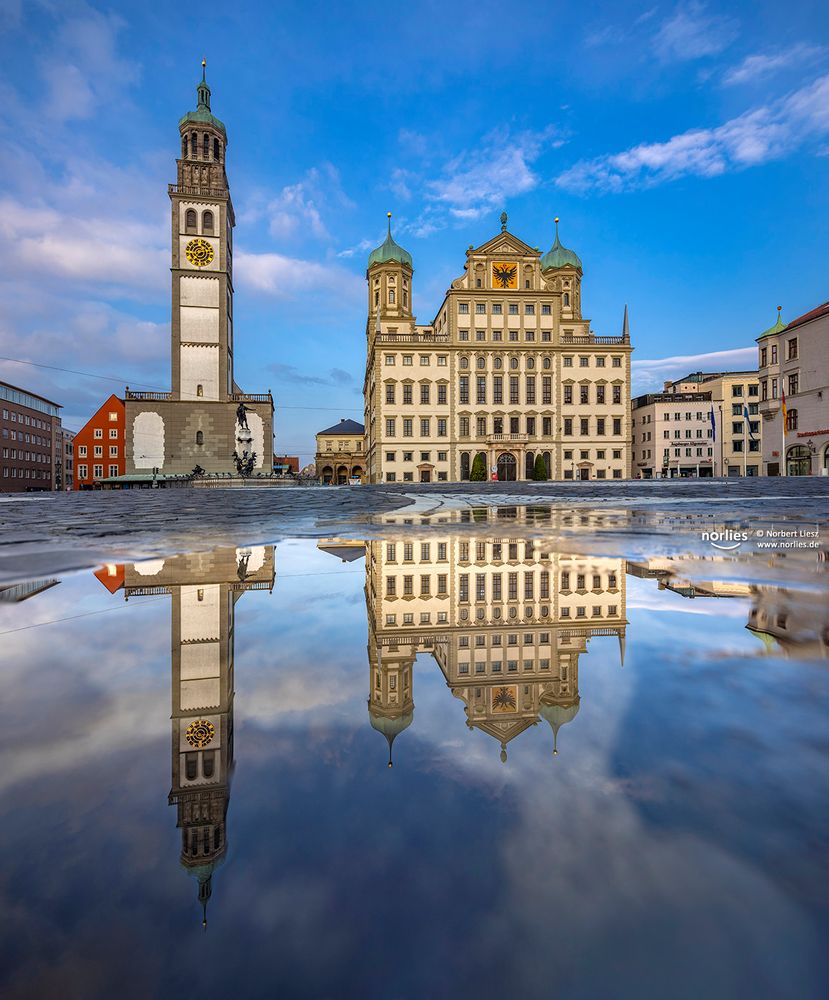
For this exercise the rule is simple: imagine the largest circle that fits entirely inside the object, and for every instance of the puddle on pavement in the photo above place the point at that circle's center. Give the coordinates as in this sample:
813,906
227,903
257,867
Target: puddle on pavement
608,774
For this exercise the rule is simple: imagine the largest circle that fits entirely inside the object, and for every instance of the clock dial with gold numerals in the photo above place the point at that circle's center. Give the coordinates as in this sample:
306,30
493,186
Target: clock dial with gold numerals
504,274
199,252
200,733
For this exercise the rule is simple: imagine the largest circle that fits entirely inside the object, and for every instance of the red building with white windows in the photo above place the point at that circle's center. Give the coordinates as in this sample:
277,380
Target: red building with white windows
99,446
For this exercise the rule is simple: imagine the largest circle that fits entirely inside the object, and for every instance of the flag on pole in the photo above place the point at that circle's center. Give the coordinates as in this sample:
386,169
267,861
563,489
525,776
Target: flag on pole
748,422
713,424
783,408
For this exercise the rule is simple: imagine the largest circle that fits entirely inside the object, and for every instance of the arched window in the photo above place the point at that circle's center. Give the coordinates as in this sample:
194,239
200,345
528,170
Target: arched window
567,298
465,465
530,363
191,763
199,437
207,222
184,147
217,150
513,363
547,364
377,298
498,363
200,389
194,145
391,296
464,362
206,146
208,764
405,298
190,220
480,361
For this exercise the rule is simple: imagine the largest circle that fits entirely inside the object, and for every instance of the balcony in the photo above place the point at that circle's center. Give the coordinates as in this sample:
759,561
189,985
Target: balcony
154,397
507,438
251,397
591,338
197,191
412,338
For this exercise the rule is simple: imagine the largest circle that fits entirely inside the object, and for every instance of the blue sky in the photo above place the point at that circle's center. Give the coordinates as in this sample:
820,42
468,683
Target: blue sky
684,146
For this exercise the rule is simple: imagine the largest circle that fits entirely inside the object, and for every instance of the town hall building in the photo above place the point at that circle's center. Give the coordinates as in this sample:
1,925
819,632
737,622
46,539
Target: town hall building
206,420
508,370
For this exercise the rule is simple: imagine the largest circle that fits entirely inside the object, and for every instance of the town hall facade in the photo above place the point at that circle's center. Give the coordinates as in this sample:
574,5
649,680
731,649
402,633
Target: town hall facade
508,370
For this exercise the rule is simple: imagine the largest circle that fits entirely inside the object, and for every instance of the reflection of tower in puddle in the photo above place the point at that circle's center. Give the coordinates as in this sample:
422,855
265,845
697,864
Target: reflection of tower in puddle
204,588
505,619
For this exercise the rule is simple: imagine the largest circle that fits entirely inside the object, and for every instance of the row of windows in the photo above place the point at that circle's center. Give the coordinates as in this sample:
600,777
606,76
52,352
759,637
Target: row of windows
767,354
98,451
441,425
191,222
98,433
424,394
512,308
409,477
498,360
191,146
793,386
12,472
26,456
97,471
26,420
584,423
425,456
484,587
689,452
26,438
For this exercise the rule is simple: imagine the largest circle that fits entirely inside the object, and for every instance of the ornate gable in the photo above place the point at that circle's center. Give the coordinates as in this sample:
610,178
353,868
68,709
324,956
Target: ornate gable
504,244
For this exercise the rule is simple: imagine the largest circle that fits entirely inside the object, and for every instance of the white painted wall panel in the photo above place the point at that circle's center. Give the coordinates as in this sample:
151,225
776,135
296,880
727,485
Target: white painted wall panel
199,324
199,291
199,367
148,440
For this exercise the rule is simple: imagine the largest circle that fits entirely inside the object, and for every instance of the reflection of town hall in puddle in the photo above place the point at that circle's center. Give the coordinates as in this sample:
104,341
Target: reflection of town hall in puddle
204,589
505,619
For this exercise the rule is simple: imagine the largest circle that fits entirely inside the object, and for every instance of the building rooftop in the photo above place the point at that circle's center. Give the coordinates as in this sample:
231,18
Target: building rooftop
816,313
349,427
24,397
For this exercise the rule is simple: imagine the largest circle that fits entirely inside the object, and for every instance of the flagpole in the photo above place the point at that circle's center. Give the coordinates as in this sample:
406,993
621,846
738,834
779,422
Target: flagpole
783,428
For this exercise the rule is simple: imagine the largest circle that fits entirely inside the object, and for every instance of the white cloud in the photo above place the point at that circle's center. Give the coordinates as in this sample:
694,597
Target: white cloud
757,67
299,209
484,179
692,33
762,134
285,277
649,374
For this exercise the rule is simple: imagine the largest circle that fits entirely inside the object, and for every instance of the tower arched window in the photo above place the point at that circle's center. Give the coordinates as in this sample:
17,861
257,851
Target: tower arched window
405,298
184,147
206,146
190,220
199,437
207,222
194,145
200,389
567,298
217,150
391,296
377,298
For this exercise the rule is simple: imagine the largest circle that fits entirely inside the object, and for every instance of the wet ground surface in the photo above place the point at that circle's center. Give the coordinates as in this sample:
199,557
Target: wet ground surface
608,736
51,532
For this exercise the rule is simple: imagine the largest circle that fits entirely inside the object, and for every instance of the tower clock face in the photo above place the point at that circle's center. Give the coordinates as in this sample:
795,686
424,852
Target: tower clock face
504,274
200,733
199,252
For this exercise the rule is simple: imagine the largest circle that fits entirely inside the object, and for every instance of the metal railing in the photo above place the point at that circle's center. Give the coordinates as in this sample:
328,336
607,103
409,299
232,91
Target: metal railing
154,396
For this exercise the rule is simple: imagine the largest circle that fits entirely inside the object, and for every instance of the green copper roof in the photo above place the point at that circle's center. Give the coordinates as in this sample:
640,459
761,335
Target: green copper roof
388,251
778,327
560,256
202,115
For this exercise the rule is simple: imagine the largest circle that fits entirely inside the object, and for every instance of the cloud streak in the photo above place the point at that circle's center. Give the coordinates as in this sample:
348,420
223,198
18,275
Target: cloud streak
763,134
761,65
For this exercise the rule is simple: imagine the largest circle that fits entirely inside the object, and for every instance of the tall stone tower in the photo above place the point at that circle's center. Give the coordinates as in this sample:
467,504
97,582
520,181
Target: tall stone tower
206,420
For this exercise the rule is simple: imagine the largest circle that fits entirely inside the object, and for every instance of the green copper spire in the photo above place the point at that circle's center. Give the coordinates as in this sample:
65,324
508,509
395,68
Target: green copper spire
203,115
389,251
559,256
778,327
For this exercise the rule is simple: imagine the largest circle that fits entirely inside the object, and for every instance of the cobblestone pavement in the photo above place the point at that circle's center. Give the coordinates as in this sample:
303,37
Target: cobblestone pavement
49,533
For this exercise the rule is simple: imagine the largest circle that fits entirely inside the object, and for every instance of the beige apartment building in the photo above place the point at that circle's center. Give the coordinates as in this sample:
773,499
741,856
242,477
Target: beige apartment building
697,426
508,369
794,360
341,453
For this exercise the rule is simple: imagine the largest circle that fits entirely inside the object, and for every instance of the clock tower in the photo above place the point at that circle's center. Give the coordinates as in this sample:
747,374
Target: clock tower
202,258
206,424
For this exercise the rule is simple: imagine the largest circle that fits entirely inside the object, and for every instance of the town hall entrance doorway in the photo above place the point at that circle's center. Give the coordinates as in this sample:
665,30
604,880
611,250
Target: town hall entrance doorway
506,468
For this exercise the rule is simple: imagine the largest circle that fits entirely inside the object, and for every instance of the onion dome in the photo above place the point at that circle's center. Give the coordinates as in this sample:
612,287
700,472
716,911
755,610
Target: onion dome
558,716
778,327
389,251
559,256
390,727
202,115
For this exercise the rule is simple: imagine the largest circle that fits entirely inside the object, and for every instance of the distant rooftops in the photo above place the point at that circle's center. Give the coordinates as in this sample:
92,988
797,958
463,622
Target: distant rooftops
349,427
13,394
